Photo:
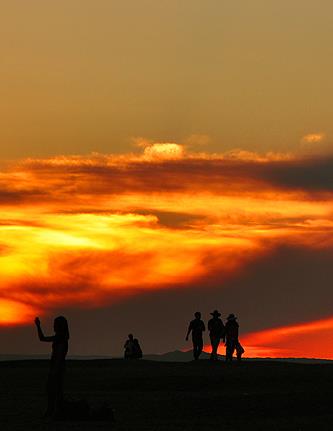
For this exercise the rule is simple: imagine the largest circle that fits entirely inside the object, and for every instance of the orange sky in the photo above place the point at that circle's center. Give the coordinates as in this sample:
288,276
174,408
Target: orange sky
161,157
88,231
310,339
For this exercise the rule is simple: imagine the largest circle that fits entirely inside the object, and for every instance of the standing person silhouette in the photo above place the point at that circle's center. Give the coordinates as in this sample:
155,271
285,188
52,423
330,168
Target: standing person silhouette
216,332
197,327
55,380
231,336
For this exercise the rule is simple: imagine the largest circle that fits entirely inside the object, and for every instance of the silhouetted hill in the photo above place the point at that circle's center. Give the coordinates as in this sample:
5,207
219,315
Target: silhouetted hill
179,356
175,356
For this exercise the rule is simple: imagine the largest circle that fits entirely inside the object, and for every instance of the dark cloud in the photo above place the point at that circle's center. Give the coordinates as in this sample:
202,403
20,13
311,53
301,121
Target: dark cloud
172,219
49,183
220,176
10,196
307,174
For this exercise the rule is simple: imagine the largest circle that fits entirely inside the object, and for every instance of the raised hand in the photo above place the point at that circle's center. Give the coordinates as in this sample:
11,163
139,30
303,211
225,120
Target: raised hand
37,321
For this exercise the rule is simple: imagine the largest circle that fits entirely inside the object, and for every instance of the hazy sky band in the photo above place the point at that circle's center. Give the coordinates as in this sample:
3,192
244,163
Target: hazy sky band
77,77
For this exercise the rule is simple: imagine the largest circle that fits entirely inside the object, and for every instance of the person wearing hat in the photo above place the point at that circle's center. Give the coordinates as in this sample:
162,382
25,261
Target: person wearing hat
216,332
197,327
232,342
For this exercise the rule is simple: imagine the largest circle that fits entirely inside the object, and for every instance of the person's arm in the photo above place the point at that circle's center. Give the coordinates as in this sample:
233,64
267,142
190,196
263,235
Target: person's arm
41,336
188,331
203,327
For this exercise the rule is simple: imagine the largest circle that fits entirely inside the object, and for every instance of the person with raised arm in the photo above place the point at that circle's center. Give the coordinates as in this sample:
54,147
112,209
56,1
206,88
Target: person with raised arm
57,366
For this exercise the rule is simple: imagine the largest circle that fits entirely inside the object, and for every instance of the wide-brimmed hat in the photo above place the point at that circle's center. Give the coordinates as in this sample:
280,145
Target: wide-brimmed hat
215,313
231,317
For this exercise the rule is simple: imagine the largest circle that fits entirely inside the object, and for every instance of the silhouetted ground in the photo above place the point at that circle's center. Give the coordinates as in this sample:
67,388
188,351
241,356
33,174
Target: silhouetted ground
165,396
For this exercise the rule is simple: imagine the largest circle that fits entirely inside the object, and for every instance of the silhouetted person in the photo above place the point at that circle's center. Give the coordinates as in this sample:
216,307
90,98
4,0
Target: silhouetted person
132,348
197,327
137,352
57,366
232,341
216,332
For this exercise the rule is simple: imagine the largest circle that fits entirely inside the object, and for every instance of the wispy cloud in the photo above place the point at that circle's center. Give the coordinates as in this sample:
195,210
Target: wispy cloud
313,138
316,145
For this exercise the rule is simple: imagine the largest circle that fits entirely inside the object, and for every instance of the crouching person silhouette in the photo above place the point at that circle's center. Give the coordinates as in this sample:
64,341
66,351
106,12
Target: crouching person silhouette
55,380
197,327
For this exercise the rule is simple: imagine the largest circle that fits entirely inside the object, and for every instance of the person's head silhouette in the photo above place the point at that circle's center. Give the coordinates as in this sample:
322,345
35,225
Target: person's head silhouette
215,314
197,315
130,336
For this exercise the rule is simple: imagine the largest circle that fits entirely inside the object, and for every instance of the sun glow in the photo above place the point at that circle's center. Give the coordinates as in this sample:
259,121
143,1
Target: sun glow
12,312
314,338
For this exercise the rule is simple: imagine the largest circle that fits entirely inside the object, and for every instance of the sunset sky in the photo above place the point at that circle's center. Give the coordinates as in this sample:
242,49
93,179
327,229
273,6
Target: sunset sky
159,158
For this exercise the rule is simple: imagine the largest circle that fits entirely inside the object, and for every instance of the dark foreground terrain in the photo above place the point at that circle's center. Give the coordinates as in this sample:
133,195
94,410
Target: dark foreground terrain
158,396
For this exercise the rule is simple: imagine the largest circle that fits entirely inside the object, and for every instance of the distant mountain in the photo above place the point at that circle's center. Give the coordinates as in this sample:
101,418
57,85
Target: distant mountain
179,356
10,357
176,356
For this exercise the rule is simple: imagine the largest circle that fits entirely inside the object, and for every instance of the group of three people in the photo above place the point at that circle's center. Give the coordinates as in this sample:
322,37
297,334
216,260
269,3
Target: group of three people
218,331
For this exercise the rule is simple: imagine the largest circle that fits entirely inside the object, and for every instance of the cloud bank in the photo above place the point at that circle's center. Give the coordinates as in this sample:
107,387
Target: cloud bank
88,231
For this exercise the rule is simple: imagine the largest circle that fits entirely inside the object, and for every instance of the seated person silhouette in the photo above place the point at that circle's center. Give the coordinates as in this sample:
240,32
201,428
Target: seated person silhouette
132,348
57,365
